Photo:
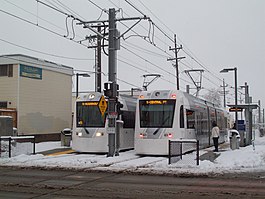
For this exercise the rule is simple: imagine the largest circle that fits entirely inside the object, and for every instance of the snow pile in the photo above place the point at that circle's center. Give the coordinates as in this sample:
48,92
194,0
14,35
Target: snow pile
244,159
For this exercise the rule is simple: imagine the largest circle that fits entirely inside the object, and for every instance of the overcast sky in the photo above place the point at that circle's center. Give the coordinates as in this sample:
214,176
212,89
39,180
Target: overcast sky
215,34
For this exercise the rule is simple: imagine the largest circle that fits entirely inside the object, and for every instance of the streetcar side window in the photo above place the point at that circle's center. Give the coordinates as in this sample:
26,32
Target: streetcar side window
181,117
190,116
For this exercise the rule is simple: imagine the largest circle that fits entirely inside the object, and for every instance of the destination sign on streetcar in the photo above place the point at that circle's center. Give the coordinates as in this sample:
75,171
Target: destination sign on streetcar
154,102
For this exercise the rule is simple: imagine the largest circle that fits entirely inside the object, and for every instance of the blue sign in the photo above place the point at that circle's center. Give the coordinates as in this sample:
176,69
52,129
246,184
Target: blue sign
240,121
30,72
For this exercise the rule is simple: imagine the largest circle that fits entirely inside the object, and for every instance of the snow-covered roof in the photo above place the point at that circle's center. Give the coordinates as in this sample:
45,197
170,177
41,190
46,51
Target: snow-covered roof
35,62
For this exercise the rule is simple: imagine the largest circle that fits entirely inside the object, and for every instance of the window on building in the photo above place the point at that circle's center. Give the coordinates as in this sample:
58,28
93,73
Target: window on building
3,104
6,70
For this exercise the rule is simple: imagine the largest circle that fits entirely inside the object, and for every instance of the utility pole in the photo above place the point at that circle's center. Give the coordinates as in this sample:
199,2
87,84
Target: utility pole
111,87
112,116
259,109
224,91
98,47
176,50
263,118
98,62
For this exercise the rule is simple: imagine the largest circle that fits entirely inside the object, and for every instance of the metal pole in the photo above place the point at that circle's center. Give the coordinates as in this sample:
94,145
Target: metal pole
248,116
197,149
246,93
77,76
177,65
169,152
98,65
263,117
224,92
259,109
34,145
9,147
187,88
112,79
236,116
181,150
0,146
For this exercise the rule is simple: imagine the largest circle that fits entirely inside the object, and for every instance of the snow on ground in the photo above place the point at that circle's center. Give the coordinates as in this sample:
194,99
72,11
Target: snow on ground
250,158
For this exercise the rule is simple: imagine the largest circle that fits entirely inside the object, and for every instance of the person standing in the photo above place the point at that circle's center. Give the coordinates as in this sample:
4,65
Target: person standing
215,135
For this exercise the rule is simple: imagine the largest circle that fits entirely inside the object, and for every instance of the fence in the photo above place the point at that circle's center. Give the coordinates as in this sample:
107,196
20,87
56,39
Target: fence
178,148
16,145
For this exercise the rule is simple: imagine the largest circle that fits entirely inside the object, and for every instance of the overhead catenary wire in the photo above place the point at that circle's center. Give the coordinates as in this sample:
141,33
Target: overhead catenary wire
38,17
192,57
41,27
157,17
129,64
58,2
98,6
141,49
150,52
153,36
44,53
135,33
144,15
131,4
153,64
164,33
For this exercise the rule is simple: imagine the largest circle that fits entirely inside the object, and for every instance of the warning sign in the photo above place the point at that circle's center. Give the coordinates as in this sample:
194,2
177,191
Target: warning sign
102,105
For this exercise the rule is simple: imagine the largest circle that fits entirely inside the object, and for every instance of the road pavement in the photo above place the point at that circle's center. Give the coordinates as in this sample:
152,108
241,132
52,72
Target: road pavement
68,184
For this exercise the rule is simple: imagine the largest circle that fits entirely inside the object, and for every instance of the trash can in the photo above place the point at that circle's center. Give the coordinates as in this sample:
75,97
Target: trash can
242,135
261,132
66,136
234,139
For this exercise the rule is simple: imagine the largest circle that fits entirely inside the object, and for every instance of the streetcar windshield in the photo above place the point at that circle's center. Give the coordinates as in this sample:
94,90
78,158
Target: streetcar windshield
89,115
156,113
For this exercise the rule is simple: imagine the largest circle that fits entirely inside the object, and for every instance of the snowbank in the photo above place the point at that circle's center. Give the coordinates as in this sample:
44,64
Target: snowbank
244,159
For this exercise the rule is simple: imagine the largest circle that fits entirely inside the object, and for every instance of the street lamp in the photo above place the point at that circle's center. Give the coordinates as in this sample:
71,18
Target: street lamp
226,70
77,80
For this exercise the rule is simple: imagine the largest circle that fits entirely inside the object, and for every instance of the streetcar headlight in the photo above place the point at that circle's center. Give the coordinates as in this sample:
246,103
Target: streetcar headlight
79,134
91,96
173,96
142,135
169,135
98,134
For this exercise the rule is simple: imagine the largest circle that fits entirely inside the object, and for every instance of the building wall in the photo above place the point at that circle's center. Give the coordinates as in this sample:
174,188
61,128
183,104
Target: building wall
8,89
45,105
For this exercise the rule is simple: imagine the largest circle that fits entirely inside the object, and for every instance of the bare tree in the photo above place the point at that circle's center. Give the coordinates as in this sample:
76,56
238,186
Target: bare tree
213,96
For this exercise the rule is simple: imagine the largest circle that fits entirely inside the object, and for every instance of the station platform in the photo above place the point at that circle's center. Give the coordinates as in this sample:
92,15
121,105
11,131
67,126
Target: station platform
211,155
58,151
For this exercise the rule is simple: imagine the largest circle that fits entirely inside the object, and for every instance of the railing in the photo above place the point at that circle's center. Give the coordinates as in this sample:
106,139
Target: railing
178,148
12,143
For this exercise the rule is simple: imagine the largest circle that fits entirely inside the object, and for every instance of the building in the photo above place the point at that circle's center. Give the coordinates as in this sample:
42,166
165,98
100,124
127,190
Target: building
36,93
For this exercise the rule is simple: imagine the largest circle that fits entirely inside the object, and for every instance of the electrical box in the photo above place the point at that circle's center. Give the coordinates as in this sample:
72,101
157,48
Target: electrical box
6,126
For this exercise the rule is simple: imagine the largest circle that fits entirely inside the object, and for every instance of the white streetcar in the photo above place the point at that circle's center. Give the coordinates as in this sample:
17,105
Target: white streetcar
90,123
163,115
